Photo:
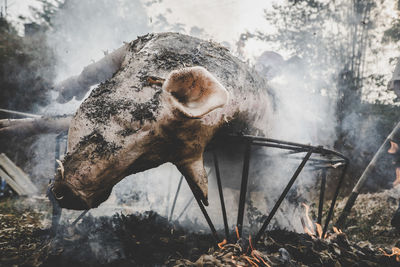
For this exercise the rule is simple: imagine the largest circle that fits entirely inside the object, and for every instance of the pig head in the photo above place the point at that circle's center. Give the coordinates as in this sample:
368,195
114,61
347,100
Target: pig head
121,129
163,97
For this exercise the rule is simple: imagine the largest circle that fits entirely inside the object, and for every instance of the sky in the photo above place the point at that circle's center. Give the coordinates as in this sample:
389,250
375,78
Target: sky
224,19
18,7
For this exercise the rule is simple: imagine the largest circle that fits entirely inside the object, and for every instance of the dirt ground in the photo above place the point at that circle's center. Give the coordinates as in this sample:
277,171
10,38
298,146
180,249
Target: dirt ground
122,240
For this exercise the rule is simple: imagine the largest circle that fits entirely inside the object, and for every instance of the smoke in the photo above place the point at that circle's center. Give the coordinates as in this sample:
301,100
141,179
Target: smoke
85,30
304,95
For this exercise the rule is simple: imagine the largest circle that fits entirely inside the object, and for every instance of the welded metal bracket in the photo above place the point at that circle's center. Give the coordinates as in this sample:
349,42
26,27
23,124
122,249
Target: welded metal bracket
338,161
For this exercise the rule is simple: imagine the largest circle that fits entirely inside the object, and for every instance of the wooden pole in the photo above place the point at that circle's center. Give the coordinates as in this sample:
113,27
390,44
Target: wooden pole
361,181
30,115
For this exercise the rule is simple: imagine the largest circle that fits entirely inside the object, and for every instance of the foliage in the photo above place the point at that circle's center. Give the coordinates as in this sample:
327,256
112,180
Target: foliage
329,36
25,69
393,33
47,10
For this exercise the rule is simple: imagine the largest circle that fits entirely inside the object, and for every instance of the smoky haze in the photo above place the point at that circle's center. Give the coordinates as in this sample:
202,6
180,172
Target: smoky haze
85,30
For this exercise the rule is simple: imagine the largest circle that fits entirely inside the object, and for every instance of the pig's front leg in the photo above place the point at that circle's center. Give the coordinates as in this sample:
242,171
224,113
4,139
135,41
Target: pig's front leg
31,126
78,86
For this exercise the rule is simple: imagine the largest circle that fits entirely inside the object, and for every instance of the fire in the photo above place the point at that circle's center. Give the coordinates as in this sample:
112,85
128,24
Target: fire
397,181
319,230
395,252
221,245
254,258
394,147
314,229
237,232
337,231
310,228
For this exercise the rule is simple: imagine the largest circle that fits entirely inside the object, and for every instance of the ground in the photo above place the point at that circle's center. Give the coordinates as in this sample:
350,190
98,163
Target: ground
149,239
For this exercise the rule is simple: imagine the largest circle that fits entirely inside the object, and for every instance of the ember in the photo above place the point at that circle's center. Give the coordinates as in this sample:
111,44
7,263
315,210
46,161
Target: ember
394,147
284,248
395,252
149,239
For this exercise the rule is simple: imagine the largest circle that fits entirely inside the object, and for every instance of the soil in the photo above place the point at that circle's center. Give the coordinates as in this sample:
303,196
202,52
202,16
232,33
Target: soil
148,239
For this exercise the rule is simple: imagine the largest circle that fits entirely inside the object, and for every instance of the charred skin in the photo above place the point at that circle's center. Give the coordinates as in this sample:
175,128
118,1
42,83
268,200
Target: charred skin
166,102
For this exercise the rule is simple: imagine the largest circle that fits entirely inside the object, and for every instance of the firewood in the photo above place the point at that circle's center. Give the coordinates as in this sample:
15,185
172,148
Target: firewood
10,181
19,177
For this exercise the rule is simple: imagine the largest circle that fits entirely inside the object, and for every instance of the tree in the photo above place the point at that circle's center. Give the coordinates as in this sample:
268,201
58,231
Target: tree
25,69
330,36
47,11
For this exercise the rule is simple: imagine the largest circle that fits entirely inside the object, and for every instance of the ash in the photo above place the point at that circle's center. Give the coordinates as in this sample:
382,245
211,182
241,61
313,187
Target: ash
124,240
148,239
285,248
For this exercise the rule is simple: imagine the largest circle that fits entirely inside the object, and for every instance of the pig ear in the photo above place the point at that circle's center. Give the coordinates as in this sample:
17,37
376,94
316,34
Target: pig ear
195,91
196,177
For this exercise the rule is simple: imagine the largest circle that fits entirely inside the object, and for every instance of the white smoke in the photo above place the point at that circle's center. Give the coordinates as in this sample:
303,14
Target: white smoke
85,30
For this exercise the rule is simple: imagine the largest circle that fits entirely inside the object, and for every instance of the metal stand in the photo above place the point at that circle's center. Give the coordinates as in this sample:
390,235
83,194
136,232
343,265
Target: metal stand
221,195
176,196
332,159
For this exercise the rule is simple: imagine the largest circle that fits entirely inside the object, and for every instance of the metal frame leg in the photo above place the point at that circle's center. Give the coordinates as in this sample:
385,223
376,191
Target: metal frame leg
56,212
206,216
283,195
79,217
339,185
243,187
175,198
185,208
221,195
321,196
56,209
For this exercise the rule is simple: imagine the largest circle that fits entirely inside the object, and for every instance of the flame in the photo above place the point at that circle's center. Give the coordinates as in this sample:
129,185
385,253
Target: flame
395,252
394,147
309,221
310,228
221,245
251,245
256,255
336,230
319,230
254,258
250,260
315,229
397,181
237,232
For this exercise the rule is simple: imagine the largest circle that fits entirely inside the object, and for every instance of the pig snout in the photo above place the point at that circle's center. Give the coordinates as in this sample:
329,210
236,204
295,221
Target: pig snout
67,198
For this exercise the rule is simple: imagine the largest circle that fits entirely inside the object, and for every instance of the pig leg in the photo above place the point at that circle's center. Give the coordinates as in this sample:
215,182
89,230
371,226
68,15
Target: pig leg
78,86
31,126
197,179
